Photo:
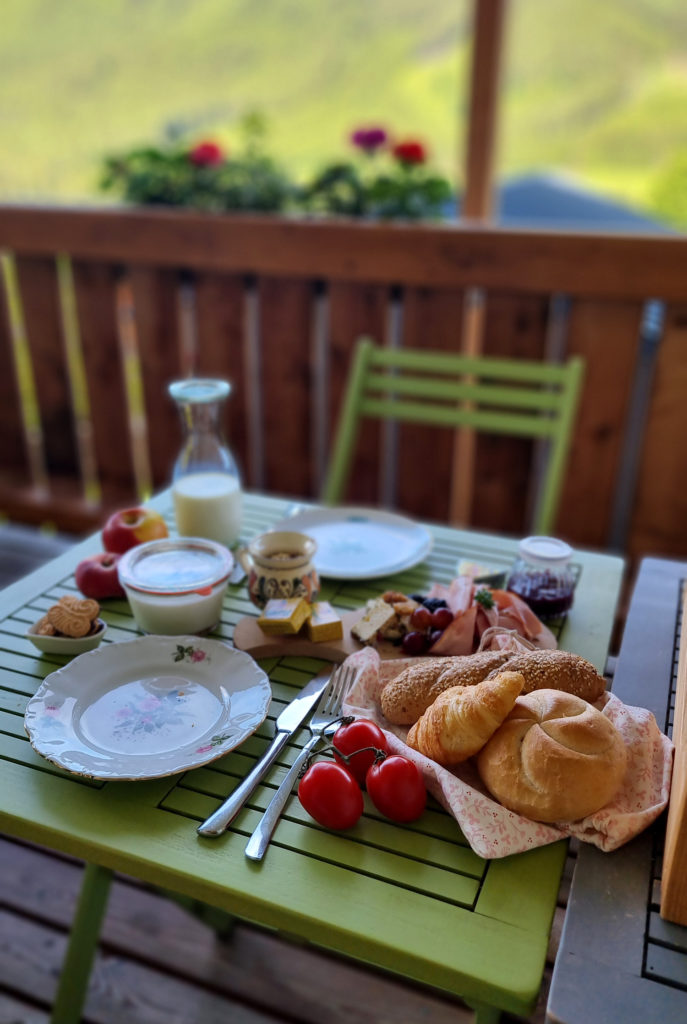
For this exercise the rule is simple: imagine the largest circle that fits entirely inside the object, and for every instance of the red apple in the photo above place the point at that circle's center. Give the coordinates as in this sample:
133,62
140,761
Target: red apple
131,526
97,576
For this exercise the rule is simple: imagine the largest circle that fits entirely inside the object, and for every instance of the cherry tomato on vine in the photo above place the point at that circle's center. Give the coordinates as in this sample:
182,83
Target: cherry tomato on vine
352,737
330,795
396,788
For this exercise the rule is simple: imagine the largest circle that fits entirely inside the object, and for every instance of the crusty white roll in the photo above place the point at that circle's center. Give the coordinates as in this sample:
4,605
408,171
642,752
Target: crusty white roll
554,758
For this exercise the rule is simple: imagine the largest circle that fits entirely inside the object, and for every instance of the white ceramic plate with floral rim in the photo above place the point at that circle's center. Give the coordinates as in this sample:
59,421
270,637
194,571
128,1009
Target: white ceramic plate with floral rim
148,707
361,543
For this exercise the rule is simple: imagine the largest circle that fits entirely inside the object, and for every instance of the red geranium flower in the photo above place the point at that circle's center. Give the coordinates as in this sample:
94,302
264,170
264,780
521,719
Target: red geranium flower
206,154
410,152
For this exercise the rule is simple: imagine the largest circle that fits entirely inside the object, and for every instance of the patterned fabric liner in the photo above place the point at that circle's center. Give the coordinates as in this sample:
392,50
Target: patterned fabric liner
493,831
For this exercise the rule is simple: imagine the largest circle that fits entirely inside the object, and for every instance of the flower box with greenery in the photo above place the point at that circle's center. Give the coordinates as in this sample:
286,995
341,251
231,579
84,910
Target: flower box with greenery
203,176
388,180
384,180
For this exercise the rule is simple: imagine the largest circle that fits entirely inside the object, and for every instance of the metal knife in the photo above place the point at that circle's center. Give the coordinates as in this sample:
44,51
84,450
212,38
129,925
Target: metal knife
286,724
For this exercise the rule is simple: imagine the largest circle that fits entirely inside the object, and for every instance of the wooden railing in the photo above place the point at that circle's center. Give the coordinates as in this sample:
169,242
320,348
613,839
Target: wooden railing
104,307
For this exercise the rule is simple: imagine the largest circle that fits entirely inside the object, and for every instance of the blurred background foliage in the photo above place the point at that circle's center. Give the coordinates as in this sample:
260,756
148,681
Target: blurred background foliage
597,91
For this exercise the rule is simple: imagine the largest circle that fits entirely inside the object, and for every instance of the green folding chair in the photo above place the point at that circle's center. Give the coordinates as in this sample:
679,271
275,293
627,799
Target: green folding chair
516,397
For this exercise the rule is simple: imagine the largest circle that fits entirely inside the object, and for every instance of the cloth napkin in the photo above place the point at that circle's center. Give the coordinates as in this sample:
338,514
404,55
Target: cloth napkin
493,831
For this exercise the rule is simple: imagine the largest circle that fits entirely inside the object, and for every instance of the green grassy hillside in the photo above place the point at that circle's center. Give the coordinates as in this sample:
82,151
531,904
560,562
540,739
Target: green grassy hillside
596,90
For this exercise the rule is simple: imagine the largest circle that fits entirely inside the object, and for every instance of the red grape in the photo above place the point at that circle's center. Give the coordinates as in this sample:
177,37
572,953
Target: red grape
421,618
414,643
434,636
441,618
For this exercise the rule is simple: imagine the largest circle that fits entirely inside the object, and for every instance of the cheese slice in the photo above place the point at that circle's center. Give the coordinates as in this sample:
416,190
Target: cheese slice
323,623
378,614
284,615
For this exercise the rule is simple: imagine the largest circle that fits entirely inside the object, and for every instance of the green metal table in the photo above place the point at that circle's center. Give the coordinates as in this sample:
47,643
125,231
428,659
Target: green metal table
414,900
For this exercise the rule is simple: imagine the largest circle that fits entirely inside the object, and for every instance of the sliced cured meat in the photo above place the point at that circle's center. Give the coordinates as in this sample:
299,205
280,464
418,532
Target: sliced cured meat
486,617
461,592
459,635
518,614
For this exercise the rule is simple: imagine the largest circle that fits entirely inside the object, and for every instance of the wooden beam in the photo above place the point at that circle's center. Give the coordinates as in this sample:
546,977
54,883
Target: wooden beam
436,256
477,204
465,439
487,45
674,878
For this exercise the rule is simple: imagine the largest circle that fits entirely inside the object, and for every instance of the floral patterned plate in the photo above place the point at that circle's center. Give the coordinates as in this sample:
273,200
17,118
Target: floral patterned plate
147,707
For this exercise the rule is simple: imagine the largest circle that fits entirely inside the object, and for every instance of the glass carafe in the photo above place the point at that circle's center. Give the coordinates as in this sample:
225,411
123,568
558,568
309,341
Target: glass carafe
206,485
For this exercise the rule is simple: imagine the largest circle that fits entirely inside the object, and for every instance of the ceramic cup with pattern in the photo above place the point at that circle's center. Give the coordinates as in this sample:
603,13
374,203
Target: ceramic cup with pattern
279,563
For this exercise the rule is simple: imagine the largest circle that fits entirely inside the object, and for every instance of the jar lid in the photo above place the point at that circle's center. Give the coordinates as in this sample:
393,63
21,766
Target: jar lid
545,550
199,389
173,567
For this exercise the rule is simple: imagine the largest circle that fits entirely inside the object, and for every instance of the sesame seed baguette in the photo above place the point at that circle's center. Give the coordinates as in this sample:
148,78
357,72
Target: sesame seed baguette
557,670
408,696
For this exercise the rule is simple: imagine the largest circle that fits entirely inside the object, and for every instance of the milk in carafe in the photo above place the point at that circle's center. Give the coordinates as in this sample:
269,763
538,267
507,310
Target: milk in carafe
208,505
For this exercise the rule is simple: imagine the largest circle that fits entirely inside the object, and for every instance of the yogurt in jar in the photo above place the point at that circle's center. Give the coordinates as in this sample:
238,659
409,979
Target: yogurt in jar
176,586
208,505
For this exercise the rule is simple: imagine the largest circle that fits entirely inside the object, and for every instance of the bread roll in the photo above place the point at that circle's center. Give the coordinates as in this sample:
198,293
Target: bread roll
558,670
462,718
406,697
555,758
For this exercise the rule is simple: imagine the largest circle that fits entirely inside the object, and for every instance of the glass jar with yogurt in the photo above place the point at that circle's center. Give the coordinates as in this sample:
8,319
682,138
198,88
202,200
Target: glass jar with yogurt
541,575
176,586
206,484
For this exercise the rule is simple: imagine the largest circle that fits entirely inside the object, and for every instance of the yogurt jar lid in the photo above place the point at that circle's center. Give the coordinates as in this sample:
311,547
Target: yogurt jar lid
171,567
545,550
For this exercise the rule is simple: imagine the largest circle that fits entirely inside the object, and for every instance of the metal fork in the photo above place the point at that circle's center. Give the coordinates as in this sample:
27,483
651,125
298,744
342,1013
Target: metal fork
328,710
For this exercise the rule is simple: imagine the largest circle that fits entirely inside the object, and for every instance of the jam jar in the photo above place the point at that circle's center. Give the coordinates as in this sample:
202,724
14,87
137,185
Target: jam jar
542,577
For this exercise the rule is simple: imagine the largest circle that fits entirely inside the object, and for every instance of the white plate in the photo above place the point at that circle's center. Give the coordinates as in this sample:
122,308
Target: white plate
148,707
361,543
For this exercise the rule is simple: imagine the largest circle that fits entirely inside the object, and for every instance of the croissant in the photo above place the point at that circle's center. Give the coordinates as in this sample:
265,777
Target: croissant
463,718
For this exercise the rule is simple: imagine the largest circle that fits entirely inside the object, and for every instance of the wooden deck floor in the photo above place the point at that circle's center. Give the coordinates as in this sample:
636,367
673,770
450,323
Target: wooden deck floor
157,963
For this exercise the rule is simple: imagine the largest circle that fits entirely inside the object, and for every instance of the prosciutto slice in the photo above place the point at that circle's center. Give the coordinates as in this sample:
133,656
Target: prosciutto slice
472,619
512,607
459,635
458,595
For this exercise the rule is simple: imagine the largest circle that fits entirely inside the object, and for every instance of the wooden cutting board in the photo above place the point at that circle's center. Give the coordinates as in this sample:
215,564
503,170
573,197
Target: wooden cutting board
674,875
250,638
